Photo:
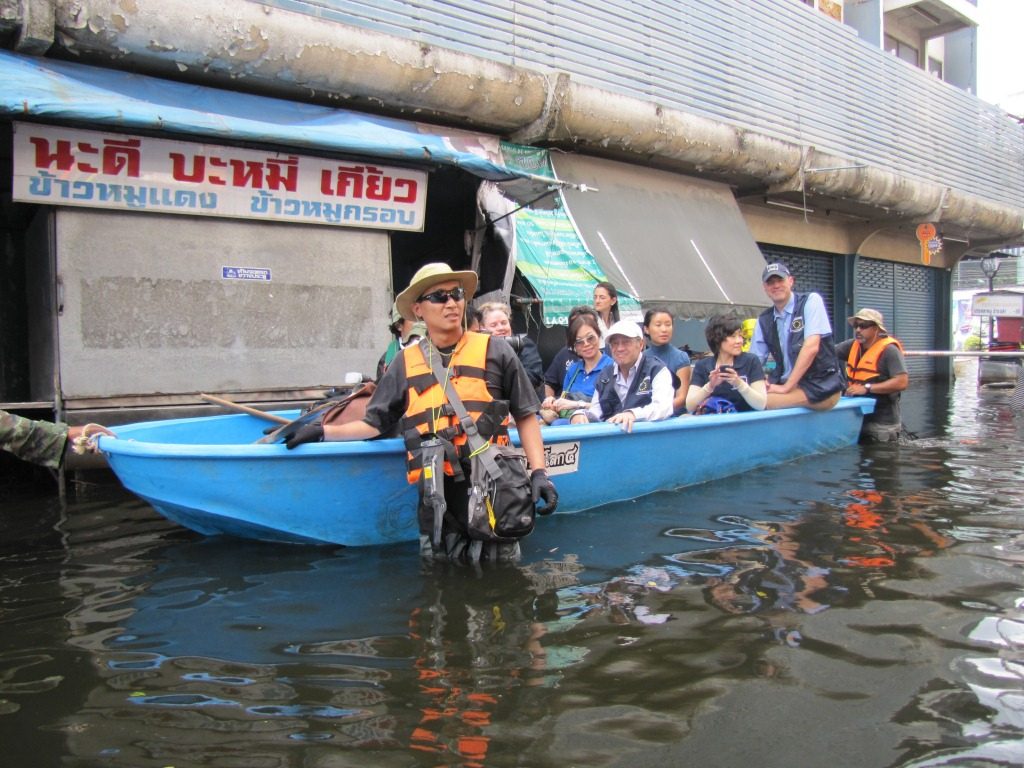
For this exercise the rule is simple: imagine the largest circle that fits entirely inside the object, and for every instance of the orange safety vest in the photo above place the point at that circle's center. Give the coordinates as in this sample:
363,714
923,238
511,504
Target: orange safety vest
429,412
864,369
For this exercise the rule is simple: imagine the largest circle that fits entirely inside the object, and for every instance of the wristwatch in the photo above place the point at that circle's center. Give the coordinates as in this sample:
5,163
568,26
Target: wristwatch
867,387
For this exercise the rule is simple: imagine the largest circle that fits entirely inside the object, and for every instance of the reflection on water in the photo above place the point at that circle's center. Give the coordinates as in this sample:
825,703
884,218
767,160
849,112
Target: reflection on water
863,608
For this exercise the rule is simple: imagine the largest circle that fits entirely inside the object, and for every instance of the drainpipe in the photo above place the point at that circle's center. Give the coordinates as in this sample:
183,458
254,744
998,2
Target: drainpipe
262,49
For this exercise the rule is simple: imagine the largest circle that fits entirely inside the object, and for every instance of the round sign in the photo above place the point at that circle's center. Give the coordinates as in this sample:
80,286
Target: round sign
926,232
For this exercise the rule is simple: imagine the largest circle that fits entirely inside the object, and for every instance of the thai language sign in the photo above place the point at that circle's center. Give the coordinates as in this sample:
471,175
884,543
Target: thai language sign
97,169
245,273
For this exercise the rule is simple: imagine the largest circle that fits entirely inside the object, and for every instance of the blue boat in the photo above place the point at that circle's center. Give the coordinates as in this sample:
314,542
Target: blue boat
209,474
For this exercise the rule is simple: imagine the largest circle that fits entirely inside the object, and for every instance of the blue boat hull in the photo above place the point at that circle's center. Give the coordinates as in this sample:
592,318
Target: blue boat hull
209,475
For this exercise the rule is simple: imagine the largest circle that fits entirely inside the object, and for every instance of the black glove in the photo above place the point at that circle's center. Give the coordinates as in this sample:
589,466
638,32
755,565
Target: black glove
543,488
306,433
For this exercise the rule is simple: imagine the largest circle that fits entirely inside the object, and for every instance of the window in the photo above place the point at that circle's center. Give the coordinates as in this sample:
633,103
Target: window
902,50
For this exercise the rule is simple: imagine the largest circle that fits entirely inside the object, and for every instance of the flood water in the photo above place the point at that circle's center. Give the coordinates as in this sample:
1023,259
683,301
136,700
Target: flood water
864,608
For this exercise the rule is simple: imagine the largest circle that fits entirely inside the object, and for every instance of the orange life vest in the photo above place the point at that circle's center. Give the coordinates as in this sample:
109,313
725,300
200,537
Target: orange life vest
865,368
429,412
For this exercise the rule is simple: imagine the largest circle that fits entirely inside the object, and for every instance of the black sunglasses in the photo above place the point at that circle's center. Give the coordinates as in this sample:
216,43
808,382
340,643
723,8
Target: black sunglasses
442,296
858,326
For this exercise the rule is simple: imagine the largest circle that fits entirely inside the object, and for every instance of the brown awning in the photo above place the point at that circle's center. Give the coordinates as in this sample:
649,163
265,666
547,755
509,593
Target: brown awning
664,237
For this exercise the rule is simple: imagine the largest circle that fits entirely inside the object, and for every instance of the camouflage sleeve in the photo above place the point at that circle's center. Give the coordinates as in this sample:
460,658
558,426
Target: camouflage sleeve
40,442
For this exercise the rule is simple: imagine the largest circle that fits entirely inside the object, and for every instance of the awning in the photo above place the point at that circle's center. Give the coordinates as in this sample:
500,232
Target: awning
547,249
665,238
65,92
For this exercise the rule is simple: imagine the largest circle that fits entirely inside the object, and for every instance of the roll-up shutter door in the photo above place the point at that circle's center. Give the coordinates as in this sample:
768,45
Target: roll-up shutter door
906,295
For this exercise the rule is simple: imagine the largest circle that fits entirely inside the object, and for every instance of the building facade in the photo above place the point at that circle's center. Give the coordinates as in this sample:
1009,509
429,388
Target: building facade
716,135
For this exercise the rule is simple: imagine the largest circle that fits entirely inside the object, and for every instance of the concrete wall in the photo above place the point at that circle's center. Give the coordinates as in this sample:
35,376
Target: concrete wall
147,311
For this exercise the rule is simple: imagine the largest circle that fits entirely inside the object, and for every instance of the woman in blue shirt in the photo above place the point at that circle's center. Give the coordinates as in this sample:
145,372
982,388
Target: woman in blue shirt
584,336
658,327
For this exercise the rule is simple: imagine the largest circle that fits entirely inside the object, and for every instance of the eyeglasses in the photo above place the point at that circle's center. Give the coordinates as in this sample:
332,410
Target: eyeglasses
587,340
858,326
442,296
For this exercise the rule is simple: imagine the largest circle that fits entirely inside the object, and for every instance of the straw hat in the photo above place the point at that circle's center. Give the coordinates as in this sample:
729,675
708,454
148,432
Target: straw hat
868,316
425,277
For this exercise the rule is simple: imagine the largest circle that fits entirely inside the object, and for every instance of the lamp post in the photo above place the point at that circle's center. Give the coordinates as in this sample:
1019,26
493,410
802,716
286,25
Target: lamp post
990,265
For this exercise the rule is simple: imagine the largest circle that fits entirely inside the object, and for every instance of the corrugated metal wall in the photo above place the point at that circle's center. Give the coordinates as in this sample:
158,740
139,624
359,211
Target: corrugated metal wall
906,295
773,66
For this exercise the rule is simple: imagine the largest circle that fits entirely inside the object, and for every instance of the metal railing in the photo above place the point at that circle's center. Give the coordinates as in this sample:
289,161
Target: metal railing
961,353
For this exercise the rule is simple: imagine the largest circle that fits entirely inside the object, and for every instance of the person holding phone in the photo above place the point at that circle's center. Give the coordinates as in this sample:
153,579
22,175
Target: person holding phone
730,373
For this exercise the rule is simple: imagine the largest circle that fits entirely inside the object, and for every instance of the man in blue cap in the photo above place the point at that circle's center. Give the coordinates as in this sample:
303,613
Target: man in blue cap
796,331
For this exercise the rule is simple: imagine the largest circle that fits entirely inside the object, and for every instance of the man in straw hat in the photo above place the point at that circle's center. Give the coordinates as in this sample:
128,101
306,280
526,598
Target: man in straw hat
875,368
489,379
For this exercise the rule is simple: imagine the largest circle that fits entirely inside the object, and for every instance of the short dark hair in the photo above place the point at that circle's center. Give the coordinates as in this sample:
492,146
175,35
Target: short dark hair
719,328
582,319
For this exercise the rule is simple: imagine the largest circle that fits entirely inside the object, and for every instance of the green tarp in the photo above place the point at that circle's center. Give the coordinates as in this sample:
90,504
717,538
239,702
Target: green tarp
548,250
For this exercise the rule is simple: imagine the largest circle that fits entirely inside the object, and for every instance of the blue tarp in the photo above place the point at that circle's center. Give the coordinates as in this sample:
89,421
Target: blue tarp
92,96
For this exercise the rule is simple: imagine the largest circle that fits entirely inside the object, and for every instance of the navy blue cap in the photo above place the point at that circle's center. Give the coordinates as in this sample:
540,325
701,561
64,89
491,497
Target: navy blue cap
775,269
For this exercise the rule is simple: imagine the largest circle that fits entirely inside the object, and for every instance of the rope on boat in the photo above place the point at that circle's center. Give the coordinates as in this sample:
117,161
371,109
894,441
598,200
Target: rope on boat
86,442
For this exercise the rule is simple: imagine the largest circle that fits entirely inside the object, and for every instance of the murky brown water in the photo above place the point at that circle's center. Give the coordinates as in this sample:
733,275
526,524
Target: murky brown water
864,608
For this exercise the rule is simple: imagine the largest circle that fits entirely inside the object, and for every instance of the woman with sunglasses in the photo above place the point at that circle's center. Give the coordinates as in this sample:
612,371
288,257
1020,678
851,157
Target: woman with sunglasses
584,336
730,373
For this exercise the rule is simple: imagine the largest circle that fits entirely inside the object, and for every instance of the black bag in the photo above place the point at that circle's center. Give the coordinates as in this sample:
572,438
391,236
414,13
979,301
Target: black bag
500,509
501,506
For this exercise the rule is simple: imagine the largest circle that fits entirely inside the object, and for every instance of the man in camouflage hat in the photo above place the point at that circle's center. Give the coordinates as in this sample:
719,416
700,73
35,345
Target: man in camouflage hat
42,442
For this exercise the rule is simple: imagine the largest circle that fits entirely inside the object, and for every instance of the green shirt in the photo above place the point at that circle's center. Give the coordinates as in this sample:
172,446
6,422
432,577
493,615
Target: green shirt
40,442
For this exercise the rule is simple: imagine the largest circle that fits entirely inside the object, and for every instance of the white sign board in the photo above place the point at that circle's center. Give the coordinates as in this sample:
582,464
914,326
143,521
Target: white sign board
998,305
98,169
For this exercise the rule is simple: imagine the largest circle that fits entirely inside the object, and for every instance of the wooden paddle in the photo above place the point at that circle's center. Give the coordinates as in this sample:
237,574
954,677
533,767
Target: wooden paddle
244,409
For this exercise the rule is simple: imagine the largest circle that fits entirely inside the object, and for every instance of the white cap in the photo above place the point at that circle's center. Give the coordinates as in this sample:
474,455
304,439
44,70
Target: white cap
626,328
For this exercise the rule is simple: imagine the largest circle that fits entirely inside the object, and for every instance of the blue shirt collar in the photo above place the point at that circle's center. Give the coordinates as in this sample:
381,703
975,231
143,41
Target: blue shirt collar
788,309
